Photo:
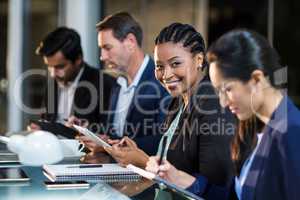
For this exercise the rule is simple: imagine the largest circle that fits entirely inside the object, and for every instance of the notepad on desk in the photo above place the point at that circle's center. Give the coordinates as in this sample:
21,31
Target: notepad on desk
90,172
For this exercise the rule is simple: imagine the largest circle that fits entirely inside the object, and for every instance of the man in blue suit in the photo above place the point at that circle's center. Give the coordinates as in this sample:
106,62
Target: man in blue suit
138,99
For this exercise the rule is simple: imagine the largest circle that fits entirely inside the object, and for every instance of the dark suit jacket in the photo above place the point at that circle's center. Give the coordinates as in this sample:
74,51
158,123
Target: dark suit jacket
145,114
275,171
201,144
96,98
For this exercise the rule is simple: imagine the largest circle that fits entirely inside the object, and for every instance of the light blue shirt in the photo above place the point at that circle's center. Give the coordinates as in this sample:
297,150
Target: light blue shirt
240,181
125,98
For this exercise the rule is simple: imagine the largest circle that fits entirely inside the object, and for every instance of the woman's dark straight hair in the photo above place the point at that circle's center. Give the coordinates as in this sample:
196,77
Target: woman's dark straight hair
237,54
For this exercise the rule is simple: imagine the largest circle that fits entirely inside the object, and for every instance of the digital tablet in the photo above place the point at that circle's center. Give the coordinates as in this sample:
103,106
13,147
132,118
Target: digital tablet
172,187
92,136
56,128
13,174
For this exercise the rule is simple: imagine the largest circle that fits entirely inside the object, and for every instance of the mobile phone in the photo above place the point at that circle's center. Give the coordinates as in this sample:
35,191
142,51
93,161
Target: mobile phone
6,158
66,184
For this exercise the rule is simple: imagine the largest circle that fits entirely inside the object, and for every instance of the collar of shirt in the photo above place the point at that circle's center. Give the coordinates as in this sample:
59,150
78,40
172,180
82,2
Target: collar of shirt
240,181
123,81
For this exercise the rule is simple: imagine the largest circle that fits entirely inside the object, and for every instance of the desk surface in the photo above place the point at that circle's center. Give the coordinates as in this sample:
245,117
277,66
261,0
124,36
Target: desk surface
35,189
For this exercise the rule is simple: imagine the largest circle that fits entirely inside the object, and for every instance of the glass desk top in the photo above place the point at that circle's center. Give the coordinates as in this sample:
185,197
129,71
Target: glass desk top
36,190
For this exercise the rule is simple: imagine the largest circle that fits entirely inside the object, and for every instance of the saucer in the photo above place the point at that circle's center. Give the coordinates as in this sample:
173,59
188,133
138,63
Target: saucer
75,155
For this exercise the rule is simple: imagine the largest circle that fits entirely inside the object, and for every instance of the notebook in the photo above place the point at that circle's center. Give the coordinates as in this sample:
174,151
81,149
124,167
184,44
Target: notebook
108,173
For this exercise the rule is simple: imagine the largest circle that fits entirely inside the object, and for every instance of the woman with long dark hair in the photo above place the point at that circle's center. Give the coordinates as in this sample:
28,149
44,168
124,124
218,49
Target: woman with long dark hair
266,148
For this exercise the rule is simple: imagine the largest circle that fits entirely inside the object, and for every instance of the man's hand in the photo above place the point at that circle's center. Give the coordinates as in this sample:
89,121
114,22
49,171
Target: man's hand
33,127
167,171
74,120
90,144
126,152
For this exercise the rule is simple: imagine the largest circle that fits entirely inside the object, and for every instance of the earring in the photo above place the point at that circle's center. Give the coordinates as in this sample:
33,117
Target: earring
199,67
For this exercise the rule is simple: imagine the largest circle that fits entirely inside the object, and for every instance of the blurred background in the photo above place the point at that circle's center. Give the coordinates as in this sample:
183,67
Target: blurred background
23,23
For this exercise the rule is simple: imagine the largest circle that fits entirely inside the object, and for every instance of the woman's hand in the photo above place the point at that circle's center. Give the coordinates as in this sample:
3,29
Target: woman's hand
168,172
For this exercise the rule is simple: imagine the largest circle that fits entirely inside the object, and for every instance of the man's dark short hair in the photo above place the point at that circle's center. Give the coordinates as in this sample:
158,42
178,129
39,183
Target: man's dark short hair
61,39
122,24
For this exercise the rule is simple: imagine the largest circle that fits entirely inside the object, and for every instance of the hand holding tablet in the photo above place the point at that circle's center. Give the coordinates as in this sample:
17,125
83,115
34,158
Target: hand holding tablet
92,136
55,128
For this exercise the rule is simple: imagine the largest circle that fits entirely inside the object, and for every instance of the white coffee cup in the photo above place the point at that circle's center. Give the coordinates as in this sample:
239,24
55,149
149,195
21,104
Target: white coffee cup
71,147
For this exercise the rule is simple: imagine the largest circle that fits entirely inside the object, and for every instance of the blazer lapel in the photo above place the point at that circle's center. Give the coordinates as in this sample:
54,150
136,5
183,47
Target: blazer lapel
196,104
145,77
276,124
113,102
248,191
79,91
51,100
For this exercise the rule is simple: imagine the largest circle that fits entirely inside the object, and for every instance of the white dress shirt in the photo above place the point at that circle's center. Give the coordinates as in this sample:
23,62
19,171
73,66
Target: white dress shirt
125,98
66,97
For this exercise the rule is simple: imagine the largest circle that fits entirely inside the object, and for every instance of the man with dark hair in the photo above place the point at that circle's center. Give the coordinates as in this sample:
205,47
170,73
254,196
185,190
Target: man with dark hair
137,97
74,88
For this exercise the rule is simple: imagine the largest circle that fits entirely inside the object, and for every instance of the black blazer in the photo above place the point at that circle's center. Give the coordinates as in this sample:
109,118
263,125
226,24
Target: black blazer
201,143
145,114
101,84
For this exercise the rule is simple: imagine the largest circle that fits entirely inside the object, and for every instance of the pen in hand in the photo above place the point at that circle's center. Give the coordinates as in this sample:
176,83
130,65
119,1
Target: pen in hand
164,142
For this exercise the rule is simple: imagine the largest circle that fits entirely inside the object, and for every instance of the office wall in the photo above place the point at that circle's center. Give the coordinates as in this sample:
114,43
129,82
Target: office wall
3,49
153,15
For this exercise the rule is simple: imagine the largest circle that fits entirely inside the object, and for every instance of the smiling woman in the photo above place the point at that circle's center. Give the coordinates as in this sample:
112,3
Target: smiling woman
177,69
193,146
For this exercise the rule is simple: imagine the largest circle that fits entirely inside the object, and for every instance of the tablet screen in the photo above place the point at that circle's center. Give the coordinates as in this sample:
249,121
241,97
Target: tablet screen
56,128
91,135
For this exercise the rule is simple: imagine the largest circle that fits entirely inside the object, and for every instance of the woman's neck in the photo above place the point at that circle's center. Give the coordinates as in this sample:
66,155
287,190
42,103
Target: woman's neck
269,105
187,94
